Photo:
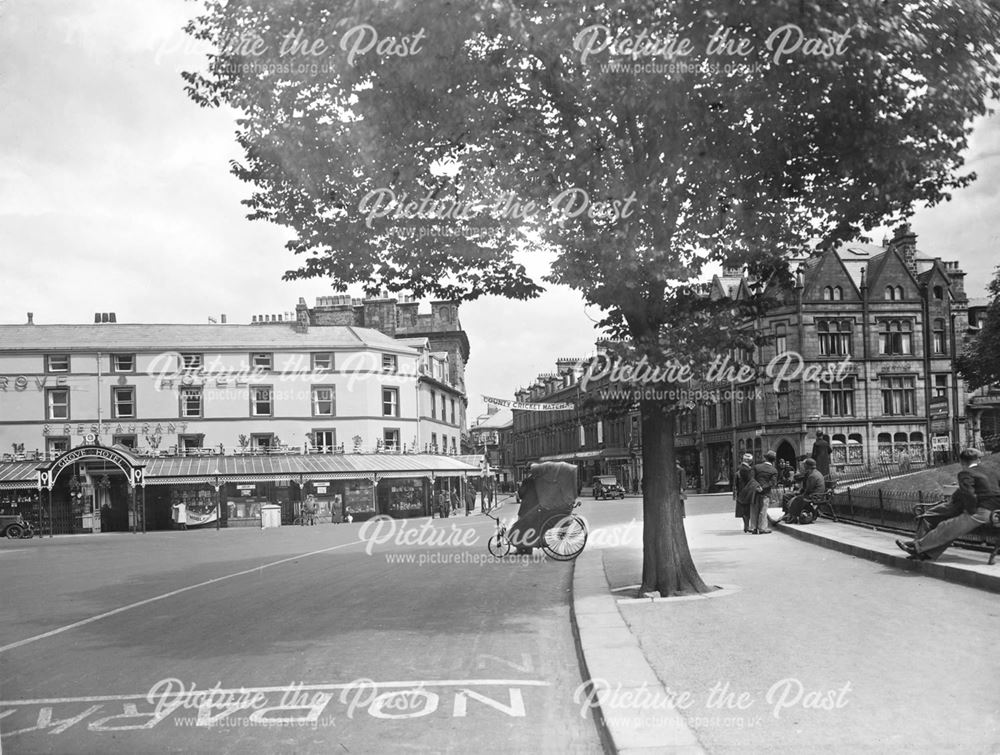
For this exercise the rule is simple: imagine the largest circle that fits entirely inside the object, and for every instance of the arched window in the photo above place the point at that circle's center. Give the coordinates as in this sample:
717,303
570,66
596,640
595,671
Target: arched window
855,449
827,294
890,293
917,448
938,292
899,293
838,450
884,448
838,293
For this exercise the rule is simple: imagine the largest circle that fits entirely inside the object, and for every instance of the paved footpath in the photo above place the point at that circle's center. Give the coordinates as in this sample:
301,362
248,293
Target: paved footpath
807,650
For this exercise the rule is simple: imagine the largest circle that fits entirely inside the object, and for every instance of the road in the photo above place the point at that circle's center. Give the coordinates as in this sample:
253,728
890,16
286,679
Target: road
287,640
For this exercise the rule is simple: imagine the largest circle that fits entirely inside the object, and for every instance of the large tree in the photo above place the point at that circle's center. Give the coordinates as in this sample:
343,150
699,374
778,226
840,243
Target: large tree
979,363
486,119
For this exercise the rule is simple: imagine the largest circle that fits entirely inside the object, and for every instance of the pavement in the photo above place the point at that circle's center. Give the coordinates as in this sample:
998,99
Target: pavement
849,647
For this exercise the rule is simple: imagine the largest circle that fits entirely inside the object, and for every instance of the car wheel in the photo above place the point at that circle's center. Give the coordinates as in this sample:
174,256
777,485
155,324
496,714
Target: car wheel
14,532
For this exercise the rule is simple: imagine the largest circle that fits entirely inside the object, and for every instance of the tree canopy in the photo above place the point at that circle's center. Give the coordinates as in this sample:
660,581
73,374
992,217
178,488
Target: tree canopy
423,147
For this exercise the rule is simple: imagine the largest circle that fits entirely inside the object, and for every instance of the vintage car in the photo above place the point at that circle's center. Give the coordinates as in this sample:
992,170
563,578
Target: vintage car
13,526
607,486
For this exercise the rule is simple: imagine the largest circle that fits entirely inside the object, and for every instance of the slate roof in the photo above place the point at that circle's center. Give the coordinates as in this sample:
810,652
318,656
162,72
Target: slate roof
194,337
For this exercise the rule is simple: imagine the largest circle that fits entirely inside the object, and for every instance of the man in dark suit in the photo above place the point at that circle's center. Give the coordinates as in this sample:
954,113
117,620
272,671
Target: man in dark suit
979,493
812,486
766,474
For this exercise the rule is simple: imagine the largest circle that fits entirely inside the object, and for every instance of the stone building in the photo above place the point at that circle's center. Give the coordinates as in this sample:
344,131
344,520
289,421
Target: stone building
866,338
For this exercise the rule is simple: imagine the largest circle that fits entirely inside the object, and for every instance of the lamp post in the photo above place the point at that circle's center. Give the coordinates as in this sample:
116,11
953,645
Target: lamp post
218,507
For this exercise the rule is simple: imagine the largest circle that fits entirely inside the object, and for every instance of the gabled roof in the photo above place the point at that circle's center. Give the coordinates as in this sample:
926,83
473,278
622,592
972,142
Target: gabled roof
159,337
496,421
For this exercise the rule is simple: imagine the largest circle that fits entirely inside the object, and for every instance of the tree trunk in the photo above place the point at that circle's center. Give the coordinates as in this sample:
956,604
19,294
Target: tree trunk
667,566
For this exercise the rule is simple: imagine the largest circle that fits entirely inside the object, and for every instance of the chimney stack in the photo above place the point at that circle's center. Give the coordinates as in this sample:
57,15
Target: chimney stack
905,242
31,318
223,320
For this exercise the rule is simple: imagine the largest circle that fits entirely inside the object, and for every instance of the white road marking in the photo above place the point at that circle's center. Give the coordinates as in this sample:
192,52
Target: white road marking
299,688
130,606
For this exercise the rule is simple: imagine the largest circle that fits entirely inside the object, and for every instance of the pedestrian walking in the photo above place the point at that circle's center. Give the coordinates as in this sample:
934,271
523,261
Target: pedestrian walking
744,494
766,475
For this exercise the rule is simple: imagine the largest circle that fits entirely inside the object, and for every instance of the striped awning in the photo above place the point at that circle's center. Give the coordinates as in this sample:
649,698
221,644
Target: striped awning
18,475
188,470
295,468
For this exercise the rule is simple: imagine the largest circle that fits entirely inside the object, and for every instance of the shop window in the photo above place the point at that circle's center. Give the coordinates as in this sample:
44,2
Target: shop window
57,363
123,402
323,401
390,402
123,362
322,361
261,401
390,439
57,403
191,402
262,361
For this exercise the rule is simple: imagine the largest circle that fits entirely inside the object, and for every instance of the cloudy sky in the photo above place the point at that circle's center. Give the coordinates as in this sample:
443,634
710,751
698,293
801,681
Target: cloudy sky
116,196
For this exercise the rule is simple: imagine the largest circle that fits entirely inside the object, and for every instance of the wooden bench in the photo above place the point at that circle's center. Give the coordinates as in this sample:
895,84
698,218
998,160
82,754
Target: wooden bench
989,533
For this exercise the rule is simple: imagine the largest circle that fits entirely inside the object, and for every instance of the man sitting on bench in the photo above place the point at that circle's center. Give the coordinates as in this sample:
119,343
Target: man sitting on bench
813,486
978,491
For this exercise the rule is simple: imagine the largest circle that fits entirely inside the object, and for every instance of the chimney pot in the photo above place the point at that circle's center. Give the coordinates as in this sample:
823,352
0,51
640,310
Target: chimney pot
97,318
223,320
31,318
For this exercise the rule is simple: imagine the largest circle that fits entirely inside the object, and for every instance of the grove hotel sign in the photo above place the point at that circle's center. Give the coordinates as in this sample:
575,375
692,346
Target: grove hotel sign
23,382
133,472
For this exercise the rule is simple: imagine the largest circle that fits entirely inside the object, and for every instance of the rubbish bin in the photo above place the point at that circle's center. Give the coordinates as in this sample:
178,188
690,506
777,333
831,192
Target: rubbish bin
270,516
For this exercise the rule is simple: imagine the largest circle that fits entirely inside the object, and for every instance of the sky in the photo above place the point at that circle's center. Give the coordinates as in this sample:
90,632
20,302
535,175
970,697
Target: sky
116,196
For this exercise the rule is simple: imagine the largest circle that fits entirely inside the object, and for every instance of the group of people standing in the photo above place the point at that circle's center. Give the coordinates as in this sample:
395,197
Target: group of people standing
754,484
753,492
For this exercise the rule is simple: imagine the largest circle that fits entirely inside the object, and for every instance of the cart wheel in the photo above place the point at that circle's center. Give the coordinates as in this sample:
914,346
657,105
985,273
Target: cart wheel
807,517
563,537
498,545
14,532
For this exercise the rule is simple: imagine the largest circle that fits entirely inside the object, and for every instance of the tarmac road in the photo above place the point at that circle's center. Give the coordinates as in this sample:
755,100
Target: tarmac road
299,639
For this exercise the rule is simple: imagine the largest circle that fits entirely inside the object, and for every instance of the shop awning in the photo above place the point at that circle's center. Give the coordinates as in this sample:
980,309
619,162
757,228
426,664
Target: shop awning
248,468
18,475
604,453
